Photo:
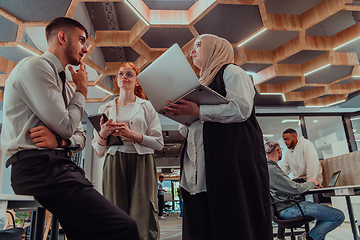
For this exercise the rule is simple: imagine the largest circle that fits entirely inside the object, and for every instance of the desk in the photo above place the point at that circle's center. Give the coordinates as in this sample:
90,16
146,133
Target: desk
345,191
11,201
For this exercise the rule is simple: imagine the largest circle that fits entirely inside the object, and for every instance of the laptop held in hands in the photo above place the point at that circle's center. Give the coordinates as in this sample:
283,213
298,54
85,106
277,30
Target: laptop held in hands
170,77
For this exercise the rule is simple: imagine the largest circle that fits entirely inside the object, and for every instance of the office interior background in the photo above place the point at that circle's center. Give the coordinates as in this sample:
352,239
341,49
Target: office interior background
303,57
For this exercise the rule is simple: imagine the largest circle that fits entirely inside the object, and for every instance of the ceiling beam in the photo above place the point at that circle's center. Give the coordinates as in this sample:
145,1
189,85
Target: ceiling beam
141,62
305,95
169,18
241,2
326,100
318,43
137,31
141,8
265,74
258,56
93,65
283,22
199,9
142,49
70,11
288,49
346,35
10,17
112,38
111,68
321,11
6,65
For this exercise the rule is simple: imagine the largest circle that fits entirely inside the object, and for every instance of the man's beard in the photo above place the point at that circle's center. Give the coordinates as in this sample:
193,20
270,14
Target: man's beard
291,145
70,52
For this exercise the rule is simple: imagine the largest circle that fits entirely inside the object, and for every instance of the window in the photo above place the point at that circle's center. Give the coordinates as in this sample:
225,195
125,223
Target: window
355,123
328,135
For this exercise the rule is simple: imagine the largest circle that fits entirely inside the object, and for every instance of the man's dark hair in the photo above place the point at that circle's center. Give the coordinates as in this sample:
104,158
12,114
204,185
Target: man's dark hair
63,24
290,130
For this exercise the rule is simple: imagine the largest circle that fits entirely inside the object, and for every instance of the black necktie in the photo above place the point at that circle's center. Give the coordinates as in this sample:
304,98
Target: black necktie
63,79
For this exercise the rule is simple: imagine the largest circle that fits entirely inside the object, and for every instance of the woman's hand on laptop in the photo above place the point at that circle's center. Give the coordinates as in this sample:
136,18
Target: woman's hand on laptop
183,107
318,185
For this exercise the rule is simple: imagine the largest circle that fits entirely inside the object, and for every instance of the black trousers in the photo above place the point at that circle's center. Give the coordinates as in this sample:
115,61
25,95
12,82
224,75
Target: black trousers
196,217
61,187
161,204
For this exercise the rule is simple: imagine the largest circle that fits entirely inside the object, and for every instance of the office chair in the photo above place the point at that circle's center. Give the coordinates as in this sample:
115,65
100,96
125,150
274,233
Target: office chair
292,222
14,233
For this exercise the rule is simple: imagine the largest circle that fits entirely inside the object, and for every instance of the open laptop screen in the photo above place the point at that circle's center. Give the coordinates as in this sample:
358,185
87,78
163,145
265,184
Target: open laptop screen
334,179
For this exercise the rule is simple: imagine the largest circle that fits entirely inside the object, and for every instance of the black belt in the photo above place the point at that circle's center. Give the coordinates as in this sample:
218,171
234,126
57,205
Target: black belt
35,153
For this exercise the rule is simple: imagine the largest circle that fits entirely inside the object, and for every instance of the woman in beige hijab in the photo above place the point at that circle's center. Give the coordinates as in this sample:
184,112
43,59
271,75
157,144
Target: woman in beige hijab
224,177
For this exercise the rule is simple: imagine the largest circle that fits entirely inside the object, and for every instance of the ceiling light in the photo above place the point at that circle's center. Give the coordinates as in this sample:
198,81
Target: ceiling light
283,96
355,118
314,106
268,135
250,73
103,89
291,120
137,13
355,76
252,37
317,69
28,50
315,121
346,43
334,103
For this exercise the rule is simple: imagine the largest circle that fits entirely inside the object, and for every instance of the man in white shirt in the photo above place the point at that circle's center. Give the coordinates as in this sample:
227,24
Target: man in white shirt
41,129
301,159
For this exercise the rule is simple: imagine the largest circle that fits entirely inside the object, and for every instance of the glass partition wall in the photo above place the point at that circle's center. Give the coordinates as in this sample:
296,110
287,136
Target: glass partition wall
355,123
326,132
273,128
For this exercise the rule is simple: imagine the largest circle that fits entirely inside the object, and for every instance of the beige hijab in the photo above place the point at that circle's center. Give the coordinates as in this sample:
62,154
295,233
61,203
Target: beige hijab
216,52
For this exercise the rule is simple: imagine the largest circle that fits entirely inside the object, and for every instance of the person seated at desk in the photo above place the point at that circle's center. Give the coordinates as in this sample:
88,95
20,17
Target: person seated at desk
301,159
283,188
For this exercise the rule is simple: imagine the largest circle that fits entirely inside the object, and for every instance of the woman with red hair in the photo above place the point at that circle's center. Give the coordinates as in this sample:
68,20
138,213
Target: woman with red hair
129,173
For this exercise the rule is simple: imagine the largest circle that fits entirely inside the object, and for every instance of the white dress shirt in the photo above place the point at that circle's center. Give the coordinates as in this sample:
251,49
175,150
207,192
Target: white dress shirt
303,161
240,92
144,120
33,97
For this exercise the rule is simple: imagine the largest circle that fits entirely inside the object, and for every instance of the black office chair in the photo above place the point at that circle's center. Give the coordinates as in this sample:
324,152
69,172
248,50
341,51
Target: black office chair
14,233
293,222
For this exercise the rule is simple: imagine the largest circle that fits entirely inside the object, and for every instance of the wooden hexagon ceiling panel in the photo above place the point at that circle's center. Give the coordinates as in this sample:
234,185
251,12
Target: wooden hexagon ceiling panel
232,22
305,52
8,30
28,11
166,37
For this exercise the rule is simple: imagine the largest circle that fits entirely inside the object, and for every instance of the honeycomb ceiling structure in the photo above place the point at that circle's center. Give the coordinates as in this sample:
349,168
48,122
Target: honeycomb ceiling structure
299,53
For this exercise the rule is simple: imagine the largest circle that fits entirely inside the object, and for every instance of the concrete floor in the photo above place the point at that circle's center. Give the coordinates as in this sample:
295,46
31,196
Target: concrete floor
171,230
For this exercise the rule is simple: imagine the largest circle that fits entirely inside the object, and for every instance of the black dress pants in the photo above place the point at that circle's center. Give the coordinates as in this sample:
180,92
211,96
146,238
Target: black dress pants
61,187
161,204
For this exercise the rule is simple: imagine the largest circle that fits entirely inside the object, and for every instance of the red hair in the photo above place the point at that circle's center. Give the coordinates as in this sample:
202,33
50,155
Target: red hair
139,92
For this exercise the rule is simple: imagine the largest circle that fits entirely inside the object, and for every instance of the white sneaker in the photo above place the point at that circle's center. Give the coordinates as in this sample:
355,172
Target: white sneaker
161,217
179,217
302,236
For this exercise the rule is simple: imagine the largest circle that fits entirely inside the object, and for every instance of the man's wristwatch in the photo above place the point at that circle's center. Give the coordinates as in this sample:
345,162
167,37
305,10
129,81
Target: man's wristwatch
58,139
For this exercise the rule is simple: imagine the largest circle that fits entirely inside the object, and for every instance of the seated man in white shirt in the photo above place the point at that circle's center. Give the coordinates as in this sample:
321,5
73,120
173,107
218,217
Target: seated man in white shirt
301,159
